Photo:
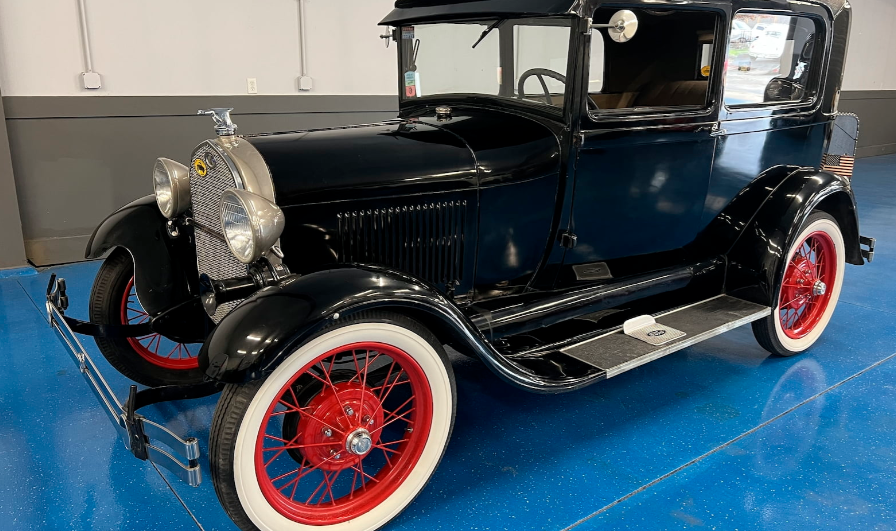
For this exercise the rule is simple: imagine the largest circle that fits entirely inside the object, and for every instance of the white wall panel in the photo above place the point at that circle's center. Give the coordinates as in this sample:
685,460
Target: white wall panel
871,64
210,47
195,47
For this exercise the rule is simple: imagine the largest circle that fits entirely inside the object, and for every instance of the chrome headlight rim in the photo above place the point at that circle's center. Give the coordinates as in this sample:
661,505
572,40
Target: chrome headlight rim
171,186
251,224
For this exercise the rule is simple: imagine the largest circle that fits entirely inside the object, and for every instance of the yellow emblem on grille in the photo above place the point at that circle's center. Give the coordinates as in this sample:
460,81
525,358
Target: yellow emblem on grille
199,166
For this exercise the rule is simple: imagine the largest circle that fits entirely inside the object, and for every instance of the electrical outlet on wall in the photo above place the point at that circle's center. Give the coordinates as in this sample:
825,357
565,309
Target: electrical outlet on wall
251,85
91,80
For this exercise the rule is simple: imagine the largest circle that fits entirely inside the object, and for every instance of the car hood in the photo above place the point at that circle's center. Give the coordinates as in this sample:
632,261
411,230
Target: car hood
419,154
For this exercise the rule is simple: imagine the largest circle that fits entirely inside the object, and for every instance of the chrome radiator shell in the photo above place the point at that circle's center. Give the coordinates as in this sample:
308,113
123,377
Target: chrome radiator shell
231,162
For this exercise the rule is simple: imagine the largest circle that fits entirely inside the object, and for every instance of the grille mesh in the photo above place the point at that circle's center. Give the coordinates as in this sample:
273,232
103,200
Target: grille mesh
426,241
212,254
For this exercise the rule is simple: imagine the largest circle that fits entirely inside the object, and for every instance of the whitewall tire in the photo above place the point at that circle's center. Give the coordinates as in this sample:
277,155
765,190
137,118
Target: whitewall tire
328,422
809,282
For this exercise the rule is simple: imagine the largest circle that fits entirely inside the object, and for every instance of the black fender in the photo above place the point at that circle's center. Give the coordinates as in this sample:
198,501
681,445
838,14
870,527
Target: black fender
254,338
755,254
164,267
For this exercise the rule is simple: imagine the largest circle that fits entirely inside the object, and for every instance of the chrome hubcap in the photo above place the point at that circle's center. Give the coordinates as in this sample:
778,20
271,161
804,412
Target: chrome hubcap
819,288
359,442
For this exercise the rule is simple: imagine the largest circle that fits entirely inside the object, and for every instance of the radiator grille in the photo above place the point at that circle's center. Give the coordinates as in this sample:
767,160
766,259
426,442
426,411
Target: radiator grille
212,254
426,241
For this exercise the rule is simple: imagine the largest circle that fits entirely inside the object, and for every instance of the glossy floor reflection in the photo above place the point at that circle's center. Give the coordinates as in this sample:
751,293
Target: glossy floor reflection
718,436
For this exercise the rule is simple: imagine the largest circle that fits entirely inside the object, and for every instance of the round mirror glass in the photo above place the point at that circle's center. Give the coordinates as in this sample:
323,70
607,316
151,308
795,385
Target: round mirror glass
623,26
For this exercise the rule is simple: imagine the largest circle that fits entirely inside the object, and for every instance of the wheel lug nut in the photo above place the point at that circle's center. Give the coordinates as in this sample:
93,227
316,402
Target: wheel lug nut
410,430
328,432
349,411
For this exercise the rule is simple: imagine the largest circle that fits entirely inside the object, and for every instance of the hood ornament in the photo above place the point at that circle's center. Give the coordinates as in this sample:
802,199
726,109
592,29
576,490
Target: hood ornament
224,126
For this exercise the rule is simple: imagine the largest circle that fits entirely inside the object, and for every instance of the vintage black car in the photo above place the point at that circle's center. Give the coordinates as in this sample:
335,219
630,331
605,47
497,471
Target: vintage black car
571,190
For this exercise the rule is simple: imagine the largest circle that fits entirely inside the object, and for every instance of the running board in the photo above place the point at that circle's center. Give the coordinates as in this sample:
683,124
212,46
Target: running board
616,352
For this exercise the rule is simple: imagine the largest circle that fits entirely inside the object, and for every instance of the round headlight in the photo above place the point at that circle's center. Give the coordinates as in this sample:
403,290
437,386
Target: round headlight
171,182
251,224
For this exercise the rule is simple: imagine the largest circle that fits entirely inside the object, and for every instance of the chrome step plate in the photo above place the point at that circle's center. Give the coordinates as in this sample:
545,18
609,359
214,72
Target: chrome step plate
616,352
656,334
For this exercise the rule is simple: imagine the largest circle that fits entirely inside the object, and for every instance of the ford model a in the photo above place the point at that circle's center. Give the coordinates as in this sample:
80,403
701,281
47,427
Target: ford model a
570,191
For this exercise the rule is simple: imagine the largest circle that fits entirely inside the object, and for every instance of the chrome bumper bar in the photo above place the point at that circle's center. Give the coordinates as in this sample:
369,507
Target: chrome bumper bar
140,435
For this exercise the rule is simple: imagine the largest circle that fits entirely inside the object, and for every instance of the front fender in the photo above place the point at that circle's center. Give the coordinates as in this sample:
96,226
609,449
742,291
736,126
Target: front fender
164,267
264,329
754,257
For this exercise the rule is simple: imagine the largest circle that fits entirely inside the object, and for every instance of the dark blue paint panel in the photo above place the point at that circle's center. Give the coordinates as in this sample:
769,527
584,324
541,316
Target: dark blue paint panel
639,193
751,149
518,460
515,229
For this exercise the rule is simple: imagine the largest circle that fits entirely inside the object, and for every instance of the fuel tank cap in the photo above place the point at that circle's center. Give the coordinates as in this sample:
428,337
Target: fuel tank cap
443,113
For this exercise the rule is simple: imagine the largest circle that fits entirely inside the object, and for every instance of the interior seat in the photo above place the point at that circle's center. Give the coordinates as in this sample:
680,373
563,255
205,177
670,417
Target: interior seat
673,94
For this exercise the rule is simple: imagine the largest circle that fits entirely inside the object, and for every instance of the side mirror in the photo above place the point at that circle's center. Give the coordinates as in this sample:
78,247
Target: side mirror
622,27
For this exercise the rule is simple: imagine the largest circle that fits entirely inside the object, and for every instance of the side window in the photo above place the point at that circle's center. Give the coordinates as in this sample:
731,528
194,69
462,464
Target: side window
772,61
667,64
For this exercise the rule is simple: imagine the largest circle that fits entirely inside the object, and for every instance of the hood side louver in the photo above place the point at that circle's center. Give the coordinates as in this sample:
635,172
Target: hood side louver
425,241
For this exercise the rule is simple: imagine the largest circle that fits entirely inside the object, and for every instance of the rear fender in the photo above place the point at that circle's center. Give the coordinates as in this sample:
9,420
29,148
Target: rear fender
164,267
264,329
756,253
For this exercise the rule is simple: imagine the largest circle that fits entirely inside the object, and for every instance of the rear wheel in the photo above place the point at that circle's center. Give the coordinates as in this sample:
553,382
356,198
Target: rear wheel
343,435
809,284
151,360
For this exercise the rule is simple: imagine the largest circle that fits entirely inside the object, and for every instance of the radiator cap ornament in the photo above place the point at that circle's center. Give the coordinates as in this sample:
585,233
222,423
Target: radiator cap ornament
224,126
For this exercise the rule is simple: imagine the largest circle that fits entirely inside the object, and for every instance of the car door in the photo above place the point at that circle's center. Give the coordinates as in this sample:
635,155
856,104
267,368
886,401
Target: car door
647,144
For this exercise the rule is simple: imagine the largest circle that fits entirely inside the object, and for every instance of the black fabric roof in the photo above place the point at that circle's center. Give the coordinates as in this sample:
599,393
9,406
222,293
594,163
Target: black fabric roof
410,11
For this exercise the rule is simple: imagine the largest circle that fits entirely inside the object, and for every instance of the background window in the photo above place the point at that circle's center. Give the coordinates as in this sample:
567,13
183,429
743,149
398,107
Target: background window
667,64
772,62
541,48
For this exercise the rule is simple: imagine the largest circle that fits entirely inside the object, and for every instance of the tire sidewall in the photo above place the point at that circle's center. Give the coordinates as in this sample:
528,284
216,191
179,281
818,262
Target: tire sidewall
816,223
440,383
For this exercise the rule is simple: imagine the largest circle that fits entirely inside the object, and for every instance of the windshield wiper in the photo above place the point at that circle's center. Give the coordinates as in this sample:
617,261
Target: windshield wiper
489,30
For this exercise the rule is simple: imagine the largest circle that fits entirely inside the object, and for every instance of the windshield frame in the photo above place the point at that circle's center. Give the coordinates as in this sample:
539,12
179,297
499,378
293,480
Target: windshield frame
507,95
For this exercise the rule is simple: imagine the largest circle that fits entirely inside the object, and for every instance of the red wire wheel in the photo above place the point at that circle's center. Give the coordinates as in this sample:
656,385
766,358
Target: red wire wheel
337,442
806,288
155,348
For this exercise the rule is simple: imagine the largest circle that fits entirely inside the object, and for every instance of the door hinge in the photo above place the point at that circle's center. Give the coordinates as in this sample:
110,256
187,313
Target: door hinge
567,239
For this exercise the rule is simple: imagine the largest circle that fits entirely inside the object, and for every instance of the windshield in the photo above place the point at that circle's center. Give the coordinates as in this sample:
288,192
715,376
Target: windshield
517,59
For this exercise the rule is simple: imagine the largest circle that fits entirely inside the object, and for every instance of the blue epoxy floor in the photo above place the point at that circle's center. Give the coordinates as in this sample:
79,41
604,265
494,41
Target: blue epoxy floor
719,436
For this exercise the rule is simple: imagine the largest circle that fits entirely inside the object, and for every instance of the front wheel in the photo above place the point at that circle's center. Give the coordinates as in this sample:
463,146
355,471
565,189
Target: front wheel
343,435
809,282
151,360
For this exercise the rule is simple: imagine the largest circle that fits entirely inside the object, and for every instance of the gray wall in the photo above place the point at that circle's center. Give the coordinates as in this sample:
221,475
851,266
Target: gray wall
12,250
877,111
76,159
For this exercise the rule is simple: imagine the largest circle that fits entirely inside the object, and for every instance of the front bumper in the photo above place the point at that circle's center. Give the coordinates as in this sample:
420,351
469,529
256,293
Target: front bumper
141,436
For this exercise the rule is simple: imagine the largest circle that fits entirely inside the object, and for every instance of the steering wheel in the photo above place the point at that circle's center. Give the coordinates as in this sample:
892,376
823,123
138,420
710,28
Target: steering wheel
542,73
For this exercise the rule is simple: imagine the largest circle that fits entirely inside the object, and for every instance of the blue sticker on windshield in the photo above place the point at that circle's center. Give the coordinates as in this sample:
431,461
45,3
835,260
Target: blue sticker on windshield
407,33
410,79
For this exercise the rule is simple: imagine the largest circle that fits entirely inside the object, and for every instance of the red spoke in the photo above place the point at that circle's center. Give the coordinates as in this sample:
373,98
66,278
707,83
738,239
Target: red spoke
313,494
388,374
383,398
297,446
364,474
